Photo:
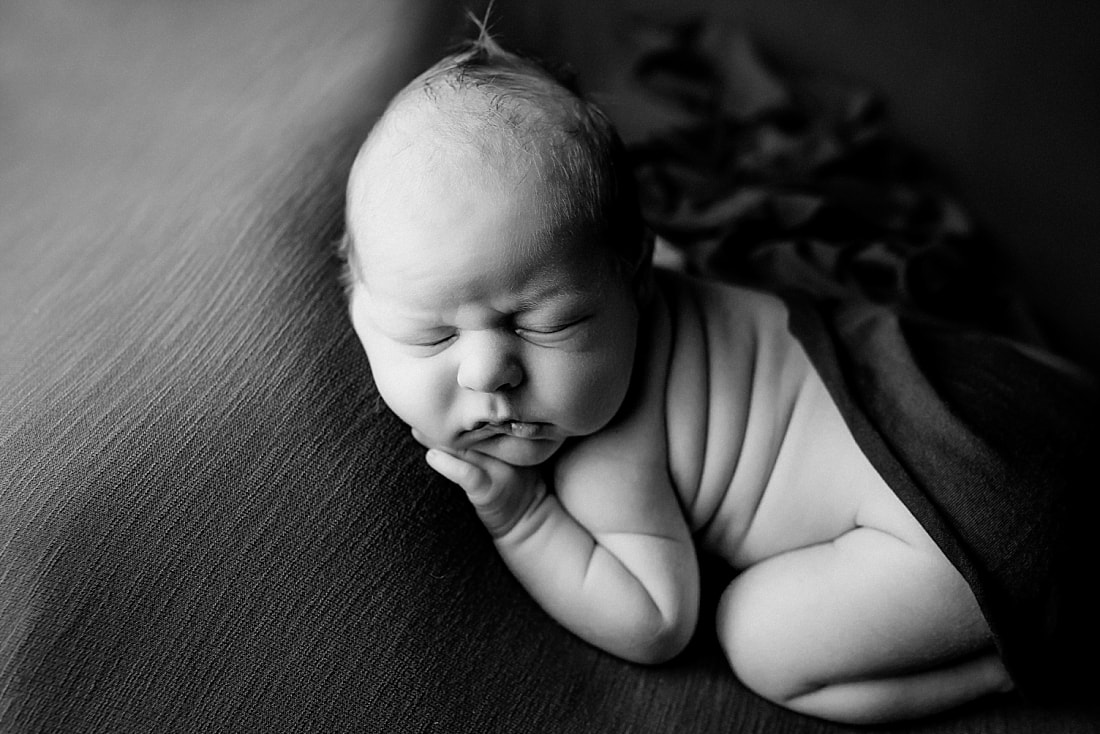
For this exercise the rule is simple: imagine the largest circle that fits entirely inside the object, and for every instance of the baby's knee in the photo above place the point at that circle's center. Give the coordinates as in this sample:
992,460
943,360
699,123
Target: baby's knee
761,654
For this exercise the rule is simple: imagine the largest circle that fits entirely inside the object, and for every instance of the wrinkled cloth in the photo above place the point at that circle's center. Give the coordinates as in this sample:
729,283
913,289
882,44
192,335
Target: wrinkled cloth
798,183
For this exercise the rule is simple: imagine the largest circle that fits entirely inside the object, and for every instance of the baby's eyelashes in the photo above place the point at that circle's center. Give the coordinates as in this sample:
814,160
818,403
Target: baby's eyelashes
432,341
536,333
551,332
422,339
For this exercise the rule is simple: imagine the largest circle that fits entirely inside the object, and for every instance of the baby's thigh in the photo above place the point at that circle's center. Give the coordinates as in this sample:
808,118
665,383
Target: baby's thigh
866,605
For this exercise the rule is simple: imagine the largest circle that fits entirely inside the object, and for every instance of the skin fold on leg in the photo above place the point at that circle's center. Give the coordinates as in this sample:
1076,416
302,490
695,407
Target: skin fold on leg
865,628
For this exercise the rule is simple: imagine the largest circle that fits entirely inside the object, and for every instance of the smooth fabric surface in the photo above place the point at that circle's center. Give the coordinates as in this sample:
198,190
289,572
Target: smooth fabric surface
208,522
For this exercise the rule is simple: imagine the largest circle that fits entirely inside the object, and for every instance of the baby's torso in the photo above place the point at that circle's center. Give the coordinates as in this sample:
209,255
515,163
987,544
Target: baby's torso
758,453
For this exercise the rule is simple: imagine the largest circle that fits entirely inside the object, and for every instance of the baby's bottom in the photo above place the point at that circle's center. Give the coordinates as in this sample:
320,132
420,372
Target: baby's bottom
868,627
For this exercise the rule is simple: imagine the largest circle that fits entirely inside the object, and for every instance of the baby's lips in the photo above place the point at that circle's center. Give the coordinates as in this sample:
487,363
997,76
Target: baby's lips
521,429
514,428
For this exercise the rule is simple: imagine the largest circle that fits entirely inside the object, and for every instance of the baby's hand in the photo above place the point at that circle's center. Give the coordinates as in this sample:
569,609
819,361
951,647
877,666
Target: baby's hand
501,494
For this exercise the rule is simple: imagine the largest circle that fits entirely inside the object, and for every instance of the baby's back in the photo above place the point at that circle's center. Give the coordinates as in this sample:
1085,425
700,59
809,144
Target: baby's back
758,452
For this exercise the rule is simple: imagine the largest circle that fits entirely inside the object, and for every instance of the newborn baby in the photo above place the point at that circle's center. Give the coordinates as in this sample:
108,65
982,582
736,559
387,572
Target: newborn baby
604,417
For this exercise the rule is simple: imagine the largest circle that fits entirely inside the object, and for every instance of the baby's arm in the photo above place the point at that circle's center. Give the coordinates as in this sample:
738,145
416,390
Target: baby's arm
608,554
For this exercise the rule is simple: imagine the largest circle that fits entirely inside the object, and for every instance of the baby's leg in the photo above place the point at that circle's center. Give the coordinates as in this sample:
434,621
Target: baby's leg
865,628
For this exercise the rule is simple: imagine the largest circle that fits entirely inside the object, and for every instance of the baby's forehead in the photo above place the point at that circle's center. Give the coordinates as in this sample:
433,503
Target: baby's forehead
471,125
429,149
418,141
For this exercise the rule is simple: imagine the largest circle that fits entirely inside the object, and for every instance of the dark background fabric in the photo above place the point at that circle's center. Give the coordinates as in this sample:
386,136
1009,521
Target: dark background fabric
208,522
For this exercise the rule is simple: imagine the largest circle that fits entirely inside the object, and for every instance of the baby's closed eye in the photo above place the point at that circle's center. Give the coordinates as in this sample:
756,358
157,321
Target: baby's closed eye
553,331
430,340
433,342
543,332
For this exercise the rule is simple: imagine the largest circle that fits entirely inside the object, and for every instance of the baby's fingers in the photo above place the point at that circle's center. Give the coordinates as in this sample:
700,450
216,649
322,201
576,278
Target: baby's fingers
502,494
472,478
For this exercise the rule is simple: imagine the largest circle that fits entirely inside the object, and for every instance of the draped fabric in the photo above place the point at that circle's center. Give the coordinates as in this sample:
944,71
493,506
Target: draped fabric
987,442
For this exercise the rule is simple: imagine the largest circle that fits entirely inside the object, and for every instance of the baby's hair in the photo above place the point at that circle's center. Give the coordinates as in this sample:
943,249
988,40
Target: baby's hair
537,108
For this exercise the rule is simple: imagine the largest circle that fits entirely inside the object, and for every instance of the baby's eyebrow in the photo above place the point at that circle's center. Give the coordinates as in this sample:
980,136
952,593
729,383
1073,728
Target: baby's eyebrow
550,293
410,319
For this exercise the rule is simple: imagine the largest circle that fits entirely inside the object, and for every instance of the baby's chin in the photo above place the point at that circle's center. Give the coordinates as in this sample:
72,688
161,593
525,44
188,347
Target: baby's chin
518,451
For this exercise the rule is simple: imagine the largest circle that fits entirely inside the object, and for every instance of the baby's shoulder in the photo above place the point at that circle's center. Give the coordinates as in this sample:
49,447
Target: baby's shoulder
722,334
698,301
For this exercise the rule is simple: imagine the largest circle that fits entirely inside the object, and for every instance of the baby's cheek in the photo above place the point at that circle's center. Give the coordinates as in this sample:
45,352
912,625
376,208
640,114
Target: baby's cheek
597,390
407,389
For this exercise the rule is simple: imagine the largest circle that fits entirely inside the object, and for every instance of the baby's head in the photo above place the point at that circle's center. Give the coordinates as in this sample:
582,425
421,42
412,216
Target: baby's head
495,252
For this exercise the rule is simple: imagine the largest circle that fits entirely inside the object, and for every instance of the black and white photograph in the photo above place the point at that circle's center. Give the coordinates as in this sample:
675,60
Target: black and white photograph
575,367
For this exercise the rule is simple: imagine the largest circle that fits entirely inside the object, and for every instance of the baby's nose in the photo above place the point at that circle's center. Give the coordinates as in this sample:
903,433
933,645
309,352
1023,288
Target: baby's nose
488,363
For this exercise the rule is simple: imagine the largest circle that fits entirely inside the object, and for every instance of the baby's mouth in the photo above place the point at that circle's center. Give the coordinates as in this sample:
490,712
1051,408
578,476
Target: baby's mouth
516,429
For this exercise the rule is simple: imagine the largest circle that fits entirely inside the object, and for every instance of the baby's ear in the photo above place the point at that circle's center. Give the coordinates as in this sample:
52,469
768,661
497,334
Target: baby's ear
345,255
